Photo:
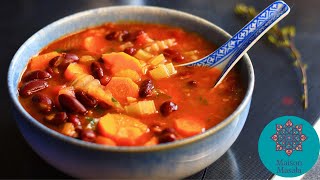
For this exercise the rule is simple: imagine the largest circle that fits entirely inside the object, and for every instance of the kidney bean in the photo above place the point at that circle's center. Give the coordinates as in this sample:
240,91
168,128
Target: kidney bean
105,80
38,74
104,105
56,118
192,83
123,35
32,86
130,50
146,88
111,36
97,70
42,102
88,135
179,58
50,70
167,137
170,53
86,99
126,36
168,107
173,54
54,62
74,119
63,60
71,104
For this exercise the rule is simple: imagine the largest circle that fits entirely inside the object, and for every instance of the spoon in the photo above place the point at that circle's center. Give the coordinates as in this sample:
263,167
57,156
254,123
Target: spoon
227,55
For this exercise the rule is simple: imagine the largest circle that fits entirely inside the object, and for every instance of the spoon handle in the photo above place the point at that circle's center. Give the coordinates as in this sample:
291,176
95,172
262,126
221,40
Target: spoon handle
230,53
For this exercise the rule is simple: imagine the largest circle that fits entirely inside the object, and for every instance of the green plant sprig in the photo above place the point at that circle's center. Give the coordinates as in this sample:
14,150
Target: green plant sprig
284,38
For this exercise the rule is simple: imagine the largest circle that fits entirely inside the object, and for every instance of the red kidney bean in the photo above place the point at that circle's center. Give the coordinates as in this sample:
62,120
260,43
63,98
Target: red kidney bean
170,53
32,86
192,83
146,88
105,80
63,60
178,58
174,55
168,107
38,74
71,104
88,135
54,62
130,50
50,70
86,99
123,35
167,137
57,118
97,70
126,36
104,105
111,36
74,119
42,102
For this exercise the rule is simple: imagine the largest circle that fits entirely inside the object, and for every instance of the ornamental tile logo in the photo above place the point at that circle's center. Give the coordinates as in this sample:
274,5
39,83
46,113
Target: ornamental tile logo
289,137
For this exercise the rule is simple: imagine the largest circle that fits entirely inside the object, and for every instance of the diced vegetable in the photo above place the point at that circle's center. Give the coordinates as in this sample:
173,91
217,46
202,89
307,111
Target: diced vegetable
73,70
123,129
131,99
171,69
105,141
141,108
67,90
122,87
68,129
159,72
41,62
122,61
160,59
163,71
93,87
189,126
143,55
129,74
158,46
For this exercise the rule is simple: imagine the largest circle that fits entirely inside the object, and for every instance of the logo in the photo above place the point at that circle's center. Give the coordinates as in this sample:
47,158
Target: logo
288,146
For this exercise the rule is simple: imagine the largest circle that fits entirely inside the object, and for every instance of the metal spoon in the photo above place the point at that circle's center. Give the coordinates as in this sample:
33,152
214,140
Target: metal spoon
226,56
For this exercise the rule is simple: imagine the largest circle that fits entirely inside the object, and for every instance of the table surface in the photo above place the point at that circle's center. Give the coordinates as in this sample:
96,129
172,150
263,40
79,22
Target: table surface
276,78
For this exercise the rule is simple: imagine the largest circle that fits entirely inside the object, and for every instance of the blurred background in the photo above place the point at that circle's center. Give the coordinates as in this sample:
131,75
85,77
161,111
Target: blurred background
277,90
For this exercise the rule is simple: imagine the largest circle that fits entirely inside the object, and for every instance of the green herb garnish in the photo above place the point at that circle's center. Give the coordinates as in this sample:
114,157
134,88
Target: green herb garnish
203,100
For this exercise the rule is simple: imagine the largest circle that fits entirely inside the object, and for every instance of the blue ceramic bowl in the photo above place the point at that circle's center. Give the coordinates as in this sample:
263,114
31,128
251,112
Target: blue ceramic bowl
87,160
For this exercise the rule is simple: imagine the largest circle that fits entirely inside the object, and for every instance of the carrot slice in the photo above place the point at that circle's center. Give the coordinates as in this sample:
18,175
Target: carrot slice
73,69
105,141
122,61
41,62
189,126
123,87
123,129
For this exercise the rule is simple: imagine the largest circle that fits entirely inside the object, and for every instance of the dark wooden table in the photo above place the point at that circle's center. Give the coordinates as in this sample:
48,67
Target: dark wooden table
276,80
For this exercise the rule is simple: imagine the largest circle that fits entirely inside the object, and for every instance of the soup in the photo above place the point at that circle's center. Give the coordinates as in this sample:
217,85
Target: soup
117,85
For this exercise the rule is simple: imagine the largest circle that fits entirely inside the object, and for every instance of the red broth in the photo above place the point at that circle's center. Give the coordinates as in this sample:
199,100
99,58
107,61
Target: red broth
116,85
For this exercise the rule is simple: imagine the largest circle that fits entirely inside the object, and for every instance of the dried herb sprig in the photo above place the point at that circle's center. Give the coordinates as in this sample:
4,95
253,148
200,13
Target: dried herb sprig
281,37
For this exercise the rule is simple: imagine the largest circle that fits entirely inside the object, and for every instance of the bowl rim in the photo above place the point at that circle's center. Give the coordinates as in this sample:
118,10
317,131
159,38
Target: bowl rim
129,149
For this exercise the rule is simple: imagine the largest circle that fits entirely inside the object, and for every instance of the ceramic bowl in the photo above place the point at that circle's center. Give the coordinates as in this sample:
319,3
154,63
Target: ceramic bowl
87,160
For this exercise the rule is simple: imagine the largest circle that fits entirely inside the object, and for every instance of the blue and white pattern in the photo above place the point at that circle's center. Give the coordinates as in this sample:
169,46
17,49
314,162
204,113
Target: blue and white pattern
233,49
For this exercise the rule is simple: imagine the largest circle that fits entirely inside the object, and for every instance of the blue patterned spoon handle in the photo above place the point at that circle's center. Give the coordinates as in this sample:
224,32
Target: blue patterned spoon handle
226,56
